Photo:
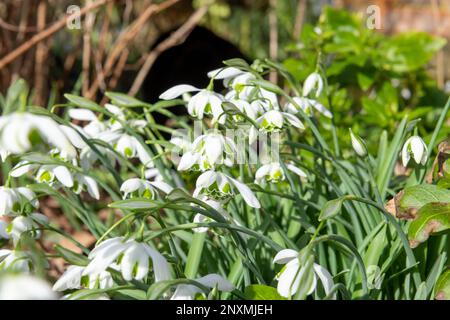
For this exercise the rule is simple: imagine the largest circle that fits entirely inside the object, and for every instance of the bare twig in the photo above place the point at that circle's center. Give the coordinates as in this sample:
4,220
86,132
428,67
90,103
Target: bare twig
41,52
273,37
124,40
88,25
10,57
175,38
299,18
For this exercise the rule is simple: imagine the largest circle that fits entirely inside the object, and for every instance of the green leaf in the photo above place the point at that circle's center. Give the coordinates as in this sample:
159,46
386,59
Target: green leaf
431,218
71,257
261,292
82,102
365,81
331,208
237,63
269,86
443,286
411,199
409,51
124,100
130,294
136,204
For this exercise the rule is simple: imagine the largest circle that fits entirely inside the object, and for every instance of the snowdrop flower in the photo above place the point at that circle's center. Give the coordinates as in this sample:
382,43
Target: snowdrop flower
189,291
307,105
251,110
203,102
290,277
12,199
51,174
217,185
23,224
273,172
417,148
209,103
132,258
313,84
358,144
25,287
274,121
226,74
15,260
130,147
16,129
73,278
136,187
207,151
86,183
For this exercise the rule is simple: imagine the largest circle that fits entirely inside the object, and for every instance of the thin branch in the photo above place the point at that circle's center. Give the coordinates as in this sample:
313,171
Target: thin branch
273,37
10,57
41,53
123,41
175,38
88,25
299,18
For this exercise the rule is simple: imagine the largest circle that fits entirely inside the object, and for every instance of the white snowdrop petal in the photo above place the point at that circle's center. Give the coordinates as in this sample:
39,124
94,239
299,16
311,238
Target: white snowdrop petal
185,292
64,176
289,280
246,193
177,91
223,73
70,279
160,265
73,136
296,170
82,114
130,185
161,185
325,277
213,280
284,256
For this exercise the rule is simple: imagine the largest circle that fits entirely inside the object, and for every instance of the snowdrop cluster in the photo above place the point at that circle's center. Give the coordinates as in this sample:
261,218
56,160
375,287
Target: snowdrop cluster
104,167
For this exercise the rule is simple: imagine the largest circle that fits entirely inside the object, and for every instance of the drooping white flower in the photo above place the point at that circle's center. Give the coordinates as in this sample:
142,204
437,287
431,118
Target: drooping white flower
15,260
273,172
53,173
12,200
217,185
86,183
225,73
136,187
307,105
207,102
274,120
177,91
25,287
18,130
26,224
189,291
73,278
251,110
208,151
131,257
417,148
358,144
289,279
313,84
204,102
